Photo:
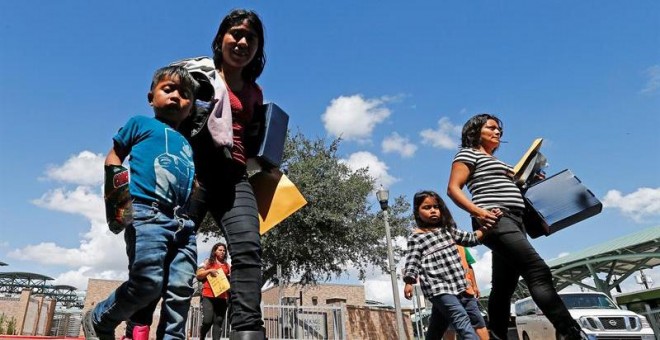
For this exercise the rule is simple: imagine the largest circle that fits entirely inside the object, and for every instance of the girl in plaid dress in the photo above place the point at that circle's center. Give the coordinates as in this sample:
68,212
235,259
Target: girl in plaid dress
432,257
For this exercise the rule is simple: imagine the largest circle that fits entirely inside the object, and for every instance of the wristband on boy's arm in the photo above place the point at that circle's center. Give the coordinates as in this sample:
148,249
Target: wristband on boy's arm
118,206
409,279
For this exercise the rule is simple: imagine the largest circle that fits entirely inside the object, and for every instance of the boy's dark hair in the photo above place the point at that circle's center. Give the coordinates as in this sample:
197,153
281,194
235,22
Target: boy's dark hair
471,135
187,83
446,220
236,17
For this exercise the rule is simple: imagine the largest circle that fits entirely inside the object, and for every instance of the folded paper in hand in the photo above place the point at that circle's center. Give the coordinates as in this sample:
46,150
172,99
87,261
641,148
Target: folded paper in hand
277,198
530,163
219,283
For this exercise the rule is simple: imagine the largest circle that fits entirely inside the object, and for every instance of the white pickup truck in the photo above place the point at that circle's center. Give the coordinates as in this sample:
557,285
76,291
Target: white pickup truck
599,317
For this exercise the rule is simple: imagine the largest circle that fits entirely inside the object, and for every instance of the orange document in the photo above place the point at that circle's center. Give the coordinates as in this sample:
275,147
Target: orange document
219,283
277,198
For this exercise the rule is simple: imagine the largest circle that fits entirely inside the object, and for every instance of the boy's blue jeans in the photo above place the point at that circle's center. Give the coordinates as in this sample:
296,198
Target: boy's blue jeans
162,252
451,307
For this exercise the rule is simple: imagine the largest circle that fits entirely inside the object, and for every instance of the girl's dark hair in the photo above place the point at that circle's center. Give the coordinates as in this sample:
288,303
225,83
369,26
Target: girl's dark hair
446,220
215,247
236,17
471,136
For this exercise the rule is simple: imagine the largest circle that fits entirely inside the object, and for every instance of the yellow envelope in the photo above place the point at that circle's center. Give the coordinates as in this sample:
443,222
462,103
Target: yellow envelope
219,283
277,198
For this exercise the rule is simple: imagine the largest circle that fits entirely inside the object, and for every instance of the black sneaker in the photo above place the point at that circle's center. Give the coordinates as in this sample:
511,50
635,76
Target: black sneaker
90,331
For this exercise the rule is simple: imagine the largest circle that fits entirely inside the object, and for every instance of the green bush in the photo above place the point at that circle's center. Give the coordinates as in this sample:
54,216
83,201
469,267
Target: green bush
7,326
11,326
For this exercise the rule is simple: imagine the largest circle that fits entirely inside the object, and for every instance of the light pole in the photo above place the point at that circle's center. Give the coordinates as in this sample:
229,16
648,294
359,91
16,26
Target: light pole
383,196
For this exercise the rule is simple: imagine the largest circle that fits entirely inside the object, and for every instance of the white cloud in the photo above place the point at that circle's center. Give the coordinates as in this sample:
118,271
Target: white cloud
653,82
446,136
483,268
85,168
401,145
98,248
639,205
354,117
82,200
376,168
79,278
100,253
379,288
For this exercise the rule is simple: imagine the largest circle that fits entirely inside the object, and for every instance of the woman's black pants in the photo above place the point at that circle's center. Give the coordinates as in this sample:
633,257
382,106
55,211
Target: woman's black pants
234,208
514,256
213,315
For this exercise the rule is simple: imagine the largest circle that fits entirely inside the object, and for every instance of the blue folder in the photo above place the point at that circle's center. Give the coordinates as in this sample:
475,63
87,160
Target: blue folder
272,134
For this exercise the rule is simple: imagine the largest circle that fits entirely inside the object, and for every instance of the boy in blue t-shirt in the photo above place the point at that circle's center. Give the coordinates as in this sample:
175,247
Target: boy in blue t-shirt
160,238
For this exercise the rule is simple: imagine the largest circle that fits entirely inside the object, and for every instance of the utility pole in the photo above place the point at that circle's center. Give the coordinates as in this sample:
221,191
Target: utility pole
383,196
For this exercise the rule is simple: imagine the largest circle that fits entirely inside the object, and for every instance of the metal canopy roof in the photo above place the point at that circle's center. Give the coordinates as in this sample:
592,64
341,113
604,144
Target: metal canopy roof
24,276
15,282
608,264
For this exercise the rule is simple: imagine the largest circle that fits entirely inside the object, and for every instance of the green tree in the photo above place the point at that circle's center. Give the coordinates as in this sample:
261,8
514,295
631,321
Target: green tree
338,228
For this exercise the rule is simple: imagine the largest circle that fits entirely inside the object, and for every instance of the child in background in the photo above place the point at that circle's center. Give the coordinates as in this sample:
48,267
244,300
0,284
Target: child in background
469,300
432,255
160,238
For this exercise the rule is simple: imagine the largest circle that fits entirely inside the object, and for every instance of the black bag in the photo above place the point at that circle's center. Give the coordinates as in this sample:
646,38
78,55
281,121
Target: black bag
557,202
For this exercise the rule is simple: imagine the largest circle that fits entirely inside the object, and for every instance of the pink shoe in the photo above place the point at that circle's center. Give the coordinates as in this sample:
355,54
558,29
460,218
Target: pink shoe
141,333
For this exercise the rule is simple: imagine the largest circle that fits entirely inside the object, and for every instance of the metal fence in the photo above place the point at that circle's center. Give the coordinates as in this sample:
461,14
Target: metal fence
66,324
281,323
287,322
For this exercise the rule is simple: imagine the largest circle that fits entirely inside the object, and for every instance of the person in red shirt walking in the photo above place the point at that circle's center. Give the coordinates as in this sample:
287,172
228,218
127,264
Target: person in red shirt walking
213,307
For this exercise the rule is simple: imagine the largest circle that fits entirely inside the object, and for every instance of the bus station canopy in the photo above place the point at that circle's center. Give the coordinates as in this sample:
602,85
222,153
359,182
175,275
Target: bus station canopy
607,264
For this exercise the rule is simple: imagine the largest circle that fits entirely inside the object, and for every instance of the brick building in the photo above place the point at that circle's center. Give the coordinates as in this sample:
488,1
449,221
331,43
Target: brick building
318,295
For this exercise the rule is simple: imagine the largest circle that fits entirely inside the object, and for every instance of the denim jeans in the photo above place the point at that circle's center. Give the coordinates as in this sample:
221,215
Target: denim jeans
451,308
162,252
234,208
439,324
514,256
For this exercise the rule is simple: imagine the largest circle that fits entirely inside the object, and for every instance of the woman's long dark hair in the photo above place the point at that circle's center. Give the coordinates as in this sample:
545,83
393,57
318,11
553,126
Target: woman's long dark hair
236,17
446,220
215,247
471,135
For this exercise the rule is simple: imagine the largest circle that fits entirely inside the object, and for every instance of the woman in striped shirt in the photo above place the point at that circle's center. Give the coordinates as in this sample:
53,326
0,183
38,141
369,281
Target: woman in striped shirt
490,182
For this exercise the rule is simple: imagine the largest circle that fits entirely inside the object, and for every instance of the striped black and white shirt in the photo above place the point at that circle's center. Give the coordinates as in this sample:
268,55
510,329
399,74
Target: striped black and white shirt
433,257
491,181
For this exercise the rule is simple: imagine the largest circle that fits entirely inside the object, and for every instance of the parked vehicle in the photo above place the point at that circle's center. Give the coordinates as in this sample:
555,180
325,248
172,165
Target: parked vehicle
597,314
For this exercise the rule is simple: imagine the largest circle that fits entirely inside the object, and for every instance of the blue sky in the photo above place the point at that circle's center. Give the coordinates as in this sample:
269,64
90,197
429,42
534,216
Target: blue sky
396,79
